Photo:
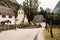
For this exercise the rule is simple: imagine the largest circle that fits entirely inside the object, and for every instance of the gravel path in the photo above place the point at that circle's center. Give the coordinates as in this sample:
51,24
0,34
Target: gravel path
23,34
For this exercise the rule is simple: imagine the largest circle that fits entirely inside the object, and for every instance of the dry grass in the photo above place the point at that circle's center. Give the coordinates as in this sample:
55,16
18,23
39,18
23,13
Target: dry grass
56,34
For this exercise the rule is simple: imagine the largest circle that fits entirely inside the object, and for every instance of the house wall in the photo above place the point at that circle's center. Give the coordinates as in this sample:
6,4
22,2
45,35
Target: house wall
20,16
7,18
25,20
43,24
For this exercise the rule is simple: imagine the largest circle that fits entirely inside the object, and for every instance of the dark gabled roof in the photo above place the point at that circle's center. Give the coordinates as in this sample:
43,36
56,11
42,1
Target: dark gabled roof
38,19
6,10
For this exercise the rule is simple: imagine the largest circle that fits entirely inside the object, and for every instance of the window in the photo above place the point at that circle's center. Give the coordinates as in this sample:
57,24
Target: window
3,16
10,16
19,12
16,19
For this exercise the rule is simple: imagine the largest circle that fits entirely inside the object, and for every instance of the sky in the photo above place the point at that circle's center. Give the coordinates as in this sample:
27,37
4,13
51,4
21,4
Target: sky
44,3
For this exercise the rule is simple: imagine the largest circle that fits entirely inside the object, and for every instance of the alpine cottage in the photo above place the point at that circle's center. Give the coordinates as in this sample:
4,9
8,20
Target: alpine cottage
7,15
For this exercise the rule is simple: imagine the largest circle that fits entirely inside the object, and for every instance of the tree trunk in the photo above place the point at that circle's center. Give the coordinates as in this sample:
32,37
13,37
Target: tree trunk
46,26
51,30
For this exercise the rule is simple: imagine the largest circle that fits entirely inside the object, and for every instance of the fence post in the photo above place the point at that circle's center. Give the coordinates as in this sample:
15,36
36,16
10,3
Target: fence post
8,27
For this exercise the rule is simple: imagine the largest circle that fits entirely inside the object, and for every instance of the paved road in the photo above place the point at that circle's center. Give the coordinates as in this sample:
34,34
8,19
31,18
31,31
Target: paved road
23,34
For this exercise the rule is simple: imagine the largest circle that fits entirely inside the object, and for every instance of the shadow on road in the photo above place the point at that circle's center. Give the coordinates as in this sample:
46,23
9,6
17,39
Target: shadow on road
36,36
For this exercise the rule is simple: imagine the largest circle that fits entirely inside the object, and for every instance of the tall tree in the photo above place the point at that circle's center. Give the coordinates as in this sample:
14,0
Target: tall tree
30,7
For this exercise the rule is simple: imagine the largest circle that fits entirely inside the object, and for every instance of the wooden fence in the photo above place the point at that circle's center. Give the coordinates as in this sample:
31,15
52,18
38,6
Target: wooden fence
56,26
7,27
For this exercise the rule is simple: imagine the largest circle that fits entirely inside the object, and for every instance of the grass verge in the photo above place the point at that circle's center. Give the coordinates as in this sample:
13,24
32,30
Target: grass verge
56,34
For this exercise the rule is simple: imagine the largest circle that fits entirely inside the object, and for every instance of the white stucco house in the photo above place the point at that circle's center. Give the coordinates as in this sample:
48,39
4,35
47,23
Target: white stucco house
21,17
7,14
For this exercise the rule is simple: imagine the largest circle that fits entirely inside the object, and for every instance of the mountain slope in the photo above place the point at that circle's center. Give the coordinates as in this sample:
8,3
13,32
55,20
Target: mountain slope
57,8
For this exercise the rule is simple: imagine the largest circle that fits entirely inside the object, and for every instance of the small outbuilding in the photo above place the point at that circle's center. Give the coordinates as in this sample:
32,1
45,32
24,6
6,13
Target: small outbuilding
39,20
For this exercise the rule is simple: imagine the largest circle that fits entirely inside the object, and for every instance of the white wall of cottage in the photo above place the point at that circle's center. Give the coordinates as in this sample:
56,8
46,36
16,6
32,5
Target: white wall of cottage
20,16
7,18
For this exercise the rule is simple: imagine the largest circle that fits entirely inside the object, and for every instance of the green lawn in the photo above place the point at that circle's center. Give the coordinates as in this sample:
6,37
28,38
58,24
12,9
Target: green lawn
56,34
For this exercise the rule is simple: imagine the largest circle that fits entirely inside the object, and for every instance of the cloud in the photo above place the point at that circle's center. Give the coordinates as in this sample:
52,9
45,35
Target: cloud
20,1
